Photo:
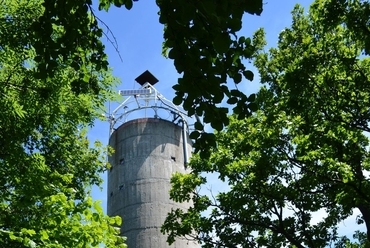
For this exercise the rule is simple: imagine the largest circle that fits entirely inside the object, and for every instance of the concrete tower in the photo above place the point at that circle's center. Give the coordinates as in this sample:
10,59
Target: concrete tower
148,150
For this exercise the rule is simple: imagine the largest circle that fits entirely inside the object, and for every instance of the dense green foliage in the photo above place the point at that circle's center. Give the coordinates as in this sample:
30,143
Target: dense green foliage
201,38
46,163
304,152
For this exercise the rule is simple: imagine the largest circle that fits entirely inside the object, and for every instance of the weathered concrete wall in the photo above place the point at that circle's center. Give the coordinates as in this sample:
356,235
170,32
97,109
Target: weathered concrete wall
148,152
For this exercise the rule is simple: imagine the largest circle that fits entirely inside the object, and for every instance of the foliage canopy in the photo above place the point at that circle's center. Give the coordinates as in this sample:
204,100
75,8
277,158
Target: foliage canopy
304,152
202,39
46,163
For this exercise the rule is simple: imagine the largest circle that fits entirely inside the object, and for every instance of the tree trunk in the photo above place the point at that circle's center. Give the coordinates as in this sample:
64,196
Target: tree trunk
365,211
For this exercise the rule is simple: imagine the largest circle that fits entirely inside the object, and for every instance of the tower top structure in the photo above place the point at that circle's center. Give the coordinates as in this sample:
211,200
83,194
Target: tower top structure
146,99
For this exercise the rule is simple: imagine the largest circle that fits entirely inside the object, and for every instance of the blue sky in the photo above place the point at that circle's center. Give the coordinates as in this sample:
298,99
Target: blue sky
139,38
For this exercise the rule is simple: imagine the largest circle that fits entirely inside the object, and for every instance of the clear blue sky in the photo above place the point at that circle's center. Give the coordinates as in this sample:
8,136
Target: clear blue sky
139,38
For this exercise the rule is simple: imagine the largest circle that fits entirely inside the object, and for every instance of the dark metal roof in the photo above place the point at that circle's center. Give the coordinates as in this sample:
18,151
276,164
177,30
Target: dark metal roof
146,77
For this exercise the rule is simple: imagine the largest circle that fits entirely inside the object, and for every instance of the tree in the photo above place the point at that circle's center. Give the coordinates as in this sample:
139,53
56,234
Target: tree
304,151
202,39
353,13
46,162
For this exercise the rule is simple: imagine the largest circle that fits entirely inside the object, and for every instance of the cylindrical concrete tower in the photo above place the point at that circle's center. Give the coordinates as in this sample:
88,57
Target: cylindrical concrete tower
147,152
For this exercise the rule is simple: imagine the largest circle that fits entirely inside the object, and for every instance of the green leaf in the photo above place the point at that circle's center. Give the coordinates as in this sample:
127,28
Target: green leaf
217,125
104,5
177,100
177,87
118,220
118,3
248,75
252,97
194,135
30,232
12,236
31,244
198,126
237,78
44,235
96,217
232,100
128,4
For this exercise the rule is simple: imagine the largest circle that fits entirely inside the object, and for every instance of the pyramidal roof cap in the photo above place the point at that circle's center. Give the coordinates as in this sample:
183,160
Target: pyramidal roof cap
146,77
